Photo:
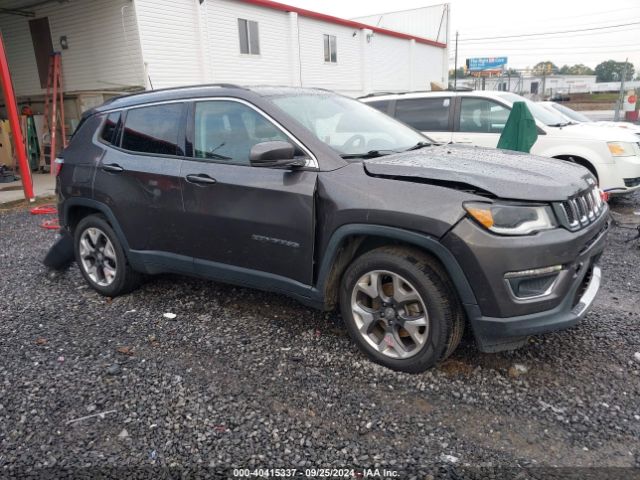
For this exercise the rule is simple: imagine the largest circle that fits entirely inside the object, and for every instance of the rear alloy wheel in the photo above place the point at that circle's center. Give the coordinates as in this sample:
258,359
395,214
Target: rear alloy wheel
401,309
101,258
98,257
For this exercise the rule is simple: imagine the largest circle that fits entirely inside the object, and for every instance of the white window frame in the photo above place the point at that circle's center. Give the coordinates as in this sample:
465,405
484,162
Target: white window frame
333,52
248,39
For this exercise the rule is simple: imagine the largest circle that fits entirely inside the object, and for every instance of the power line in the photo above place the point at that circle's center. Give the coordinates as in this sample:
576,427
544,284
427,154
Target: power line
556,37
564,18
547,49
551,33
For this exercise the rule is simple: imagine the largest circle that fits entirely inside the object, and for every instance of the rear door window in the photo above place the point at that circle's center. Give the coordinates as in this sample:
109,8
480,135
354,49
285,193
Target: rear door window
425,114
480,115
155,129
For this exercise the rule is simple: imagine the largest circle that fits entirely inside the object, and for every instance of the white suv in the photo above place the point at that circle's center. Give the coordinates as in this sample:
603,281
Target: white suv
478,117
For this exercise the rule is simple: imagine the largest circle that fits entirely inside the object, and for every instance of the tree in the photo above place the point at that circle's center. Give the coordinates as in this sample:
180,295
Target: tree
578,69
611,71
545,68
461,73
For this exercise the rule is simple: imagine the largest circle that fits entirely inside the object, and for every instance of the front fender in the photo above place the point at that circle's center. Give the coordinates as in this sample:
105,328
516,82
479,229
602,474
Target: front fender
422,241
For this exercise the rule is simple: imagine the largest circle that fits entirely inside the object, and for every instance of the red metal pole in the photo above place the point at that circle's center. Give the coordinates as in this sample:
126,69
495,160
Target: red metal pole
14,122
54,113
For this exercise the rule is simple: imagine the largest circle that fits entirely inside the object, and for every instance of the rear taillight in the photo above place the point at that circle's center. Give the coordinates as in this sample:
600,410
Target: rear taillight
604,195
57,166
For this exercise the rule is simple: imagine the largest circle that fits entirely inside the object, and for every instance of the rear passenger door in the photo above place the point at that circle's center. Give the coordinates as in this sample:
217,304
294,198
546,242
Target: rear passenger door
433,116
138,176
480,121
237,215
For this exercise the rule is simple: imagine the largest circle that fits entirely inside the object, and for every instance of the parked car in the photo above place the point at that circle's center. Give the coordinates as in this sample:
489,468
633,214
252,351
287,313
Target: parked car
317,196
576,117
478,117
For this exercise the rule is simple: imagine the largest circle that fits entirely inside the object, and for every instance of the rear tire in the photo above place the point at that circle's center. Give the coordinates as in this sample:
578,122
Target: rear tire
101,258
400,308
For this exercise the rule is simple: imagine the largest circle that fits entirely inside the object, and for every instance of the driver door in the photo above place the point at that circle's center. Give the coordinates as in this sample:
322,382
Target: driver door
239,216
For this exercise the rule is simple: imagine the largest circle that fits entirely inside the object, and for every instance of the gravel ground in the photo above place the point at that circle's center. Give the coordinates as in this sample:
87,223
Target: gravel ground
244,379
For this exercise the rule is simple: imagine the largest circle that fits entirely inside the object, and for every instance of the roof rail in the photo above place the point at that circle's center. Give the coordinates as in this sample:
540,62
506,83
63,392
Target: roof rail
182,87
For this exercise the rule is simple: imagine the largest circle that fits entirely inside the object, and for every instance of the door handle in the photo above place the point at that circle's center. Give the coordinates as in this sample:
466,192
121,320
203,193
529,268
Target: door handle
201,179
112,167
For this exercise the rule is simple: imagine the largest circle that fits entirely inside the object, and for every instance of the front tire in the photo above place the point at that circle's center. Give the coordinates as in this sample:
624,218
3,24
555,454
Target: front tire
101,258
400,308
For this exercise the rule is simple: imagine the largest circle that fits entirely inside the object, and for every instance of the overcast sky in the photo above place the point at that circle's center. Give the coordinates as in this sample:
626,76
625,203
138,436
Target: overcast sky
490,18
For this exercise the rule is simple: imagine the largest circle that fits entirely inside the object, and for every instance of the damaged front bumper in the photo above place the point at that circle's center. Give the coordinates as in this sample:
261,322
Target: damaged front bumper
563,265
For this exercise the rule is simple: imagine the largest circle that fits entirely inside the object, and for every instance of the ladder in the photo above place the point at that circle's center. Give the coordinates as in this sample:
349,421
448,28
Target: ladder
53,112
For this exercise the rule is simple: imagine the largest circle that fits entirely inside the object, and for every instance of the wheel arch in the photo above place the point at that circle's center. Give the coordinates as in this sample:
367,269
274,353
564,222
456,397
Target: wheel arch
589,165
350,241
75,209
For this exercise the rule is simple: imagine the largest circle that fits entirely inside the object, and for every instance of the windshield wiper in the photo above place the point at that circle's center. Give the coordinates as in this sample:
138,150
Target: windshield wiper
560,124
418,146
369,154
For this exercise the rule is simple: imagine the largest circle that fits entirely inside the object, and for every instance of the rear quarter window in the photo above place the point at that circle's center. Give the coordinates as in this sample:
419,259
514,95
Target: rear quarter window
110,128
425,114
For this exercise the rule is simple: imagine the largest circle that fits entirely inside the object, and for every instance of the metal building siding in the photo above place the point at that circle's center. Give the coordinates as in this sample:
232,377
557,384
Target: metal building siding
345,75
427,22
427,66
22,60
171,41
103,53
274,64
391,64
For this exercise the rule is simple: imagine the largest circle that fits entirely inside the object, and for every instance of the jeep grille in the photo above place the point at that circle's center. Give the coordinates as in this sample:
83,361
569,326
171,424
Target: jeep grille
581,210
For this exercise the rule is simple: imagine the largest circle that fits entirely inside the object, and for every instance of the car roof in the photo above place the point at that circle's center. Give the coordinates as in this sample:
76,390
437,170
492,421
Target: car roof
439,93
201,91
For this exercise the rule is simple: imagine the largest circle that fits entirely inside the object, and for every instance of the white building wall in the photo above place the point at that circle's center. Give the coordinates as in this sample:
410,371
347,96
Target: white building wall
273,65
427,22
104,49
391,64
428,66
170,35
185,42
344,76
117,44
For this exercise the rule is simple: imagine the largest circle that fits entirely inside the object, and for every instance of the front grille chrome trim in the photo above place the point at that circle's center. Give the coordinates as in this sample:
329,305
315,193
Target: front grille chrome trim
581,210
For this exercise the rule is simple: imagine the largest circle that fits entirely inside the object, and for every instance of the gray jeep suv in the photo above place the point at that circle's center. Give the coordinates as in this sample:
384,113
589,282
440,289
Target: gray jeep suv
317,196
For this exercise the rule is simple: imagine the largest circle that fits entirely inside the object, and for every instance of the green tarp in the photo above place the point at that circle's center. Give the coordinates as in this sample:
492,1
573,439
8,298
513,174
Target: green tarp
520,131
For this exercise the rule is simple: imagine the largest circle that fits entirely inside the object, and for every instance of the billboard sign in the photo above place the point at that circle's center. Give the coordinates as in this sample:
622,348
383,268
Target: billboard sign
487,63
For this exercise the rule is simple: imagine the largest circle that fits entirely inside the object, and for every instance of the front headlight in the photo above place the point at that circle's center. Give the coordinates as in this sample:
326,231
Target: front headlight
512,219
622,149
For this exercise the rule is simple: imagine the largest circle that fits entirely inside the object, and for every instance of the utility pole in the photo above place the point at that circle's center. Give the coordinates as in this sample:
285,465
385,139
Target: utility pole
616,115
455,66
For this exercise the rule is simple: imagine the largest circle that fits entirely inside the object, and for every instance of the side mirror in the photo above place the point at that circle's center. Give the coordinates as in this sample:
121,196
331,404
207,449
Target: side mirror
276,154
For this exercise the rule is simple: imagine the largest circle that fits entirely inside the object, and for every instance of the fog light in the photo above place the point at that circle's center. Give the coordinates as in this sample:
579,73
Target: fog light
533,283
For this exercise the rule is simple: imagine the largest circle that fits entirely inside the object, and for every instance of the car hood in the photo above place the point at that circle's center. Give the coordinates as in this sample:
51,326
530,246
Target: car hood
592,131
628,126
501,173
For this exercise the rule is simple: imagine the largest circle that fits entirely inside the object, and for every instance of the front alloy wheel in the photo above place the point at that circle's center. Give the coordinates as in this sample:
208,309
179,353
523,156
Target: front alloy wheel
390,314
400,308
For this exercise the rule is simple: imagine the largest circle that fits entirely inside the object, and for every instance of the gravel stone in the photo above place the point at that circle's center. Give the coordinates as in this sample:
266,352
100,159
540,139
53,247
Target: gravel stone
256,380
